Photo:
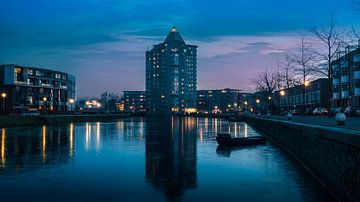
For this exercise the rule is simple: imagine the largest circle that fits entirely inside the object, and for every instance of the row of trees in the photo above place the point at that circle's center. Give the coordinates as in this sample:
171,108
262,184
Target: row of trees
311,60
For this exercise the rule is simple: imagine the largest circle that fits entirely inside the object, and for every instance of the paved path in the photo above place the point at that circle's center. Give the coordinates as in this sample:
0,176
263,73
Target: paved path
351,123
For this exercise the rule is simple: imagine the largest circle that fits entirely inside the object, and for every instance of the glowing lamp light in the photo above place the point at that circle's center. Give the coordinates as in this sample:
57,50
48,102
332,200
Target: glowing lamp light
282,93
246,103
44,99
269,98
257,101
71,101
307,83
3,95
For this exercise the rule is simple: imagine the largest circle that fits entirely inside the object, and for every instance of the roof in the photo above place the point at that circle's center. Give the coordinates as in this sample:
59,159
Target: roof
173,36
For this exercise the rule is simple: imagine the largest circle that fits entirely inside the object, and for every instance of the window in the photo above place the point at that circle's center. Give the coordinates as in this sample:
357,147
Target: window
30,72
57,76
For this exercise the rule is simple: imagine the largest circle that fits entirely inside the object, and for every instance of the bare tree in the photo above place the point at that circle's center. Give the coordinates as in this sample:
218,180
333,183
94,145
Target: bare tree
288,74
332,39
267,81
303,61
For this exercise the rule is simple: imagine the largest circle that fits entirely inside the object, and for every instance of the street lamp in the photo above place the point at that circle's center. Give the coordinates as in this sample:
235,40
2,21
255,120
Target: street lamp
282,94
45,99
306,83
269,105
257,101
71,102
305,97
3,95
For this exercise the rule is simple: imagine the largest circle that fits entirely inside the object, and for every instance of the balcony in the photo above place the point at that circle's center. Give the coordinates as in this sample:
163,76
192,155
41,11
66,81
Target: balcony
345,94
357,74
357,58
344,64
336,96
357,91
336,82
344,79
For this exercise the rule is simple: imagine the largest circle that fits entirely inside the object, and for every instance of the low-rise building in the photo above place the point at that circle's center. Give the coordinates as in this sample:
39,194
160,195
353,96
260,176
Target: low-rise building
24,88
135,101
222,100
317,94
346,78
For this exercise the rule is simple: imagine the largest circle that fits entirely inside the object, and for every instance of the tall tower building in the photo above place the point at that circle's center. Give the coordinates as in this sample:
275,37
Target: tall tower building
171,75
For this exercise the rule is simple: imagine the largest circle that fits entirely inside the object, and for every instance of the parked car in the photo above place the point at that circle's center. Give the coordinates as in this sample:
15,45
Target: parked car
309,111
325,112
295,112
338,110
351,111
321,111
317,111
358,112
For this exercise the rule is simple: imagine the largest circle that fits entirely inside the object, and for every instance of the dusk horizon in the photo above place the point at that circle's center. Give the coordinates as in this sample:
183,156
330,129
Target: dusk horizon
103,43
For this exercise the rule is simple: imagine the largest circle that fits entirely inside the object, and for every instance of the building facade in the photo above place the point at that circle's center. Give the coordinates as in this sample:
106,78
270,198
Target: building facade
346,78
23,88
171,75
317,94
135,101
222,100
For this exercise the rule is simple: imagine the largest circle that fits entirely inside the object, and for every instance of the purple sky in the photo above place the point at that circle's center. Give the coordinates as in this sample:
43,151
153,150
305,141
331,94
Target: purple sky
103,42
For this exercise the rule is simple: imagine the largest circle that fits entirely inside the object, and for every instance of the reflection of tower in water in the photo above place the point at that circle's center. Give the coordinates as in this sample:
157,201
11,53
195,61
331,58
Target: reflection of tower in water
171,155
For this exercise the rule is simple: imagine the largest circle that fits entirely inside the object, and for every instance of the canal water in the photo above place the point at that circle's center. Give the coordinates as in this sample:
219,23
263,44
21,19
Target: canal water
138,159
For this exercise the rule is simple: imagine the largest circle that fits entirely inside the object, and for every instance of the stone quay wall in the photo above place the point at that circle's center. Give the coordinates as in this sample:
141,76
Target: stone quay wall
332,155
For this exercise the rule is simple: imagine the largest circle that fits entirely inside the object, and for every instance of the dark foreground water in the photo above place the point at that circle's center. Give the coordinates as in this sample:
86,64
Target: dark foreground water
174,159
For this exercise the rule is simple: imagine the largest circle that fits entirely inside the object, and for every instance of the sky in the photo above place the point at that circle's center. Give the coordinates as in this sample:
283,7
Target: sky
103,42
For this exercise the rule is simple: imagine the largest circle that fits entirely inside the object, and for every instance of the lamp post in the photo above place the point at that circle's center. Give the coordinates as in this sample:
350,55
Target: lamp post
3,95
71,102
45,100
257,105
306,84
246,109
270,105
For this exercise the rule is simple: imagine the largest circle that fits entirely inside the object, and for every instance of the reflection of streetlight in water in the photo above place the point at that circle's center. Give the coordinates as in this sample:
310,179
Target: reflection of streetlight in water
3,146
245,130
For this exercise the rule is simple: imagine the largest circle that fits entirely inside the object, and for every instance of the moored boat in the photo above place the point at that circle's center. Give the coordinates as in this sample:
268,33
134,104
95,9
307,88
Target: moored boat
226,139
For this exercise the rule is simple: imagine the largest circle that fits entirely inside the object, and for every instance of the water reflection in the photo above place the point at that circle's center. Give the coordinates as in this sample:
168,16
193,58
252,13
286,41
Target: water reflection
171,155
28,148
3,147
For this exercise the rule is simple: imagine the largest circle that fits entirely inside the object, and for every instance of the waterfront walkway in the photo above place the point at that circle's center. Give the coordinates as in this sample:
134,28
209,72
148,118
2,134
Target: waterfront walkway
352,123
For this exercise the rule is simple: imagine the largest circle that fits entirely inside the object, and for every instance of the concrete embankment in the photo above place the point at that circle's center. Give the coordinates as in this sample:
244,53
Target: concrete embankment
15,121
332,155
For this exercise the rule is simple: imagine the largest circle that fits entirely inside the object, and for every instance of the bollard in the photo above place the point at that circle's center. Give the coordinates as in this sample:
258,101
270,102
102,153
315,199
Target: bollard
259,115
268,115
289,116
340,119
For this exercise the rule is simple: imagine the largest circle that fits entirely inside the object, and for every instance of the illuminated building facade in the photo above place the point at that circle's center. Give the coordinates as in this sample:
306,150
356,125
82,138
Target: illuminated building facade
23,88
134,101
346,78
171,75
221,100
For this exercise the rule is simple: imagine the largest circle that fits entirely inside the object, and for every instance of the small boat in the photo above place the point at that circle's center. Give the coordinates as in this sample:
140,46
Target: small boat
226,139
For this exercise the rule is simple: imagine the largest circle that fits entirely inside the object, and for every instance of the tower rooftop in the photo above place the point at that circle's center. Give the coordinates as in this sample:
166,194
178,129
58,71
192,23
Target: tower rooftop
173,36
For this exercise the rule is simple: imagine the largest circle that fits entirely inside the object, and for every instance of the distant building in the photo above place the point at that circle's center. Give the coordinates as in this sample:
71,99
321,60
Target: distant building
346,78
171,75
222,100
135,101
317,94
24,88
